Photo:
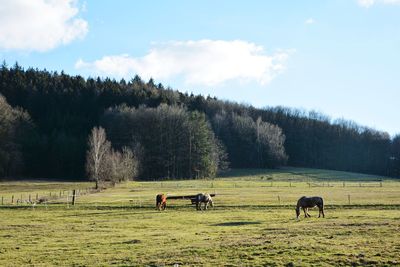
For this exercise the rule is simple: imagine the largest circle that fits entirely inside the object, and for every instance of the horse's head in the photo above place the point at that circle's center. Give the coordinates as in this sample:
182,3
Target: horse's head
297,212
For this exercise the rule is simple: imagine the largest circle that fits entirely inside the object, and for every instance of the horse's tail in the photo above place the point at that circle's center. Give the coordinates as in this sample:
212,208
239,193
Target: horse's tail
200,197
158,200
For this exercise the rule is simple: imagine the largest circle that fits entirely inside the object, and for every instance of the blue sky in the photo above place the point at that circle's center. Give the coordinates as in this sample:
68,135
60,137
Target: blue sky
339,57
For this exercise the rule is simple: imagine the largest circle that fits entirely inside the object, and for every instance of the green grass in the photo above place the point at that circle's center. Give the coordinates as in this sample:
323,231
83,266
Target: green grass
247,227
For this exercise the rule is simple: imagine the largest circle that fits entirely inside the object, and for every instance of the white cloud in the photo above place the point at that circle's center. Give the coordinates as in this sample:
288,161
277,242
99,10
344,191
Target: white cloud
309,21
369,3
39,25
204,62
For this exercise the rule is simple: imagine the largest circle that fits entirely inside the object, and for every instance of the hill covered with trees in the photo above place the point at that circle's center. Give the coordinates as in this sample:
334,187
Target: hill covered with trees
46,118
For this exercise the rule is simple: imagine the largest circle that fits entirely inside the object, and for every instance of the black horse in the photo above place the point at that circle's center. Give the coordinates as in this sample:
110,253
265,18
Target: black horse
310,202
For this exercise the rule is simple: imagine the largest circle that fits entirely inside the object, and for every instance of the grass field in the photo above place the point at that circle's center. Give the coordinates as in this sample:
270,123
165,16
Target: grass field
252,224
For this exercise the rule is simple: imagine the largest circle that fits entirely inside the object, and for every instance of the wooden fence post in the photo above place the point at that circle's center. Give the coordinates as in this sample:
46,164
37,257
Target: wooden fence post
37,196
73,197
2,200
348,197
30,200
279,200
12,199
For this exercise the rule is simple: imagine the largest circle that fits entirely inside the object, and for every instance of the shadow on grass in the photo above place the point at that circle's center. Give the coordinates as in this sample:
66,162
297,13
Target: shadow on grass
235,223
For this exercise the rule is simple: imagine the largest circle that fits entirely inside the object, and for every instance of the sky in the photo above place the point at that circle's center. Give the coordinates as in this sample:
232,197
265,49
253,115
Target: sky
338,57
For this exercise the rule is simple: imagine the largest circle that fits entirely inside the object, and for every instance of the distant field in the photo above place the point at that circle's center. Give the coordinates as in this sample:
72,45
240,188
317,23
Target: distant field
253,223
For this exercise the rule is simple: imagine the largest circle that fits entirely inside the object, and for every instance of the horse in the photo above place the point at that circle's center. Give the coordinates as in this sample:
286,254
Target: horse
310,202
203,198
161,201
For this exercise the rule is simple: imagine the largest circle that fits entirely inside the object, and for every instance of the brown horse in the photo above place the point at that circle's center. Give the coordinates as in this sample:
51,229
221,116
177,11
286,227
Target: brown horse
310,202
161,201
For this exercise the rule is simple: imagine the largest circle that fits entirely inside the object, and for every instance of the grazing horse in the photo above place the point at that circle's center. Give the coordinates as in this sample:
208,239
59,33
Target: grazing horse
310,202
203,198
161,201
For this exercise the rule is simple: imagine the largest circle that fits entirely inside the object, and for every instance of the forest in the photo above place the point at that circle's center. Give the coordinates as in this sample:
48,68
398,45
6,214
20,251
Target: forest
46,119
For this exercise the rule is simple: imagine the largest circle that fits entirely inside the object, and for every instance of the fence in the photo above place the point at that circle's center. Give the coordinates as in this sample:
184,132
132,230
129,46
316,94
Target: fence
277,192
254,183
61,196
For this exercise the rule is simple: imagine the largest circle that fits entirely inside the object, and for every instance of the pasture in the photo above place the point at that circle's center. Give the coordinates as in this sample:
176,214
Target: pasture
252,224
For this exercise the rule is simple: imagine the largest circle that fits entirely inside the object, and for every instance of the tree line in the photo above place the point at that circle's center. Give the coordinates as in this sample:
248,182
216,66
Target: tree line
46,118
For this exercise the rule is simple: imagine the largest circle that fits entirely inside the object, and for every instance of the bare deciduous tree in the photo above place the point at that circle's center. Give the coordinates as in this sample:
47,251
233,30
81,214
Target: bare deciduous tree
129,164
123,164
97,157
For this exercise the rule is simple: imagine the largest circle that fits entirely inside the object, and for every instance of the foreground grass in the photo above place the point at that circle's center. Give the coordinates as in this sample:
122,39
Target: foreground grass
248,226
181,236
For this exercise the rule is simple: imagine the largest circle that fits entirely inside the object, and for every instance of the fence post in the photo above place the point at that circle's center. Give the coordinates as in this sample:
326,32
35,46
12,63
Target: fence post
279,200
60,193
348,197
12,199
21,199
37,196
2,200
68,199
73,197
30,198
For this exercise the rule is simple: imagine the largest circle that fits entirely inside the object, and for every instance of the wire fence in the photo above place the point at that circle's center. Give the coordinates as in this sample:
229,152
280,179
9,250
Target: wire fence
56,197
141,194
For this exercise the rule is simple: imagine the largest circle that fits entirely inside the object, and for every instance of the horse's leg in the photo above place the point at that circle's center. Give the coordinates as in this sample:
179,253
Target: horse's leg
308,214
319,212
305,213
323,214
206,206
